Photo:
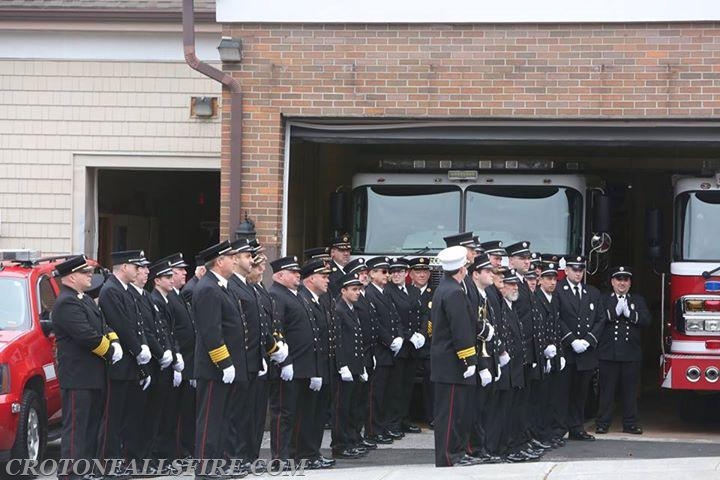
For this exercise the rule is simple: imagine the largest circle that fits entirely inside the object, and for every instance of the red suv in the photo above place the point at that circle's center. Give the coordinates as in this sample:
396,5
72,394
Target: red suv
30,410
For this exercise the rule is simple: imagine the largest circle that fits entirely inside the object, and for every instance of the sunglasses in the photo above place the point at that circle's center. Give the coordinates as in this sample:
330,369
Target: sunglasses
383,271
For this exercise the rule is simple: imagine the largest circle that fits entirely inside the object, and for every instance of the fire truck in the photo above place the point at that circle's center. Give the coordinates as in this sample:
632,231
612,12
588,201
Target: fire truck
690,358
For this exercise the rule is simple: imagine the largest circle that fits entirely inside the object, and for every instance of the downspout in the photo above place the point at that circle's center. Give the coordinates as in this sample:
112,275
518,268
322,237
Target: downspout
236,111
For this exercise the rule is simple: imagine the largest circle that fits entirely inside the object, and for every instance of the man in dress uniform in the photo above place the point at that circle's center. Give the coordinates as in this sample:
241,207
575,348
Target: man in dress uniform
85,346
625,314
390,341
314,289
407,304
495,251
350,368
293,401
220,357
340,256
420,280
129,376
550,419
581,325
454,360
369,331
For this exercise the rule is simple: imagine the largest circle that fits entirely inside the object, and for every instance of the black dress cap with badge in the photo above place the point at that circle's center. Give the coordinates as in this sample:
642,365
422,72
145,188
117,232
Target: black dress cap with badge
161,268
317,252
341,242
213,252
350,280
509,276
176,259
378,262
313,266
620,272
285,263
399,263
356,266
494,247
548,269
464,239
77,263
242,245
481,261
135,257
519,249
576,261
419,263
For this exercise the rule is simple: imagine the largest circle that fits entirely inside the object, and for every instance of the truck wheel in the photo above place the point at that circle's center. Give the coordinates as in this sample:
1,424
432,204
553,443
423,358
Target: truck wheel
31,434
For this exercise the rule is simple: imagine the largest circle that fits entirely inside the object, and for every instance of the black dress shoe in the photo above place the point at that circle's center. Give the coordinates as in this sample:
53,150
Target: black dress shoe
411,428
601,429
394,434
538,444
327,461
467,461
381,439
347,453
367,444
314,464
634,429
530,453
560,441
581,435
431,425
516,458
360,450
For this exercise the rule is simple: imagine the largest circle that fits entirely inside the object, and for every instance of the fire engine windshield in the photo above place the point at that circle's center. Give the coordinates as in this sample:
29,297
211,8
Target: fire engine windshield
697,226
551,218
14,304
404,219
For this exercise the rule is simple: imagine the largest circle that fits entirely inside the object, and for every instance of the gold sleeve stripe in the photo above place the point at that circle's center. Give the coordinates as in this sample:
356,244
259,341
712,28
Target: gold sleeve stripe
102,348
468,352
219,354
278,335
429,329
273,349
112,336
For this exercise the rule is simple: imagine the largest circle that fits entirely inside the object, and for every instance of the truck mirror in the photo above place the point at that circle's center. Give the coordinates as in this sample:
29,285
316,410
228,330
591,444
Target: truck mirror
653,233
601,214
46,326
337,211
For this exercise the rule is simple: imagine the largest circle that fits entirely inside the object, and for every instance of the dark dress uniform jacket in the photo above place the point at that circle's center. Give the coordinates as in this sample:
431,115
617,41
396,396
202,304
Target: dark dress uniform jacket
257,339
515,347
121,314
389,326
453,341
155,329
580,319
425,299
183,329
270,323
523,307
349,351
79,327
368,321
550,312
408,308
219,322
336,273
187,290
326,336
621,340
299,327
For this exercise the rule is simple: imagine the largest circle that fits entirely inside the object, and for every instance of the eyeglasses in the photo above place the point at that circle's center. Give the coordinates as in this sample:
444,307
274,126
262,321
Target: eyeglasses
383,271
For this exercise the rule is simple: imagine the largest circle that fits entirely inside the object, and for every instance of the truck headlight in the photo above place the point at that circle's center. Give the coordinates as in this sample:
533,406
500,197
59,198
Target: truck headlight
694,325
4,378
712,325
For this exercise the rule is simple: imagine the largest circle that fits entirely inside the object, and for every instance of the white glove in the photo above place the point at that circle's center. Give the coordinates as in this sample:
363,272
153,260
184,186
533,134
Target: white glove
281,353
499,373
229,374
548,366
534,365
177,379
179,363
193,383
286,373
364,375
550,351
485,377
396,345
374,362
144,356
562,363
315,384
586,344
504,358
345,374
145,382
578,346
626,310
117,353
417,340
620,307
469,372
166,359
491,333
264,369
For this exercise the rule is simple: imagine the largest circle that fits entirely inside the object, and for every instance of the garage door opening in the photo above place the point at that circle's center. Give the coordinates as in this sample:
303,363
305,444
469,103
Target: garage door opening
160,211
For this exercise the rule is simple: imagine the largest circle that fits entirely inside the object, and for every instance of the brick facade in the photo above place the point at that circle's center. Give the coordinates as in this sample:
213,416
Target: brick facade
457,71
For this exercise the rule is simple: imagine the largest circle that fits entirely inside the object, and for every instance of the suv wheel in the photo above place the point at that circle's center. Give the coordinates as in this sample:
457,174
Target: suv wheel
31,435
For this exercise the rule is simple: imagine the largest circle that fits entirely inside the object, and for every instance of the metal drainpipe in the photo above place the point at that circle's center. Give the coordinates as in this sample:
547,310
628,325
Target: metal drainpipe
236,110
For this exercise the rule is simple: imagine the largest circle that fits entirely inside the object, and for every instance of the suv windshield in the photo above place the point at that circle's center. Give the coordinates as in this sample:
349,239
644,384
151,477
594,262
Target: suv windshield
697,227
551,218
404,219
14,304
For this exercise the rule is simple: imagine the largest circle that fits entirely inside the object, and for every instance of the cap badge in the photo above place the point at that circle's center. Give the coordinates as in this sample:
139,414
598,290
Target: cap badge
622,269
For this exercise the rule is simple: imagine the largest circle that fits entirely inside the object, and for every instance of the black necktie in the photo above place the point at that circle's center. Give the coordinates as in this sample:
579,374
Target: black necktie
576,291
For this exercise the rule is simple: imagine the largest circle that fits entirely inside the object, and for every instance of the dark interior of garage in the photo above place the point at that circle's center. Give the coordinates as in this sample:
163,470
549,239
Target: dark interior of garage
161,212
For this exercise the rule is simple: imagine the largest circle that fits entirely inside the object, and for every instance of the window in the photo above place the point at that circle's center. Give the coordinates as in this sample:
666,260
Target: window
14,304
697,226
47,297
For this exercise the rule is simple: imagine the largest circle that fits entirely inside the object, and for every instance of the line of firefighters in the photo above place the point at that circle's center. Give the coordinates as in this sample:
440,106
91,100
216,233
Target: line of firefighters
159,369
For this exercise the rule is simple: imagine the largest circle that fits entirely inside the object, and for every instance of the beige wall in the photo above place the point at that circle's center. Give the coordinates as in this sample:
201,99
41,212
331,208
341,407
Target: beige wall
51,112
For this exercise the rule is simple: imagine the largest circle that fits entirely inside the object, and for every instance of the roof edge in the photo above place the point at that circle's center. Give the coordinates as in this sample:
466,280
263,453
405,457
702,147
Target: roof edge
101,15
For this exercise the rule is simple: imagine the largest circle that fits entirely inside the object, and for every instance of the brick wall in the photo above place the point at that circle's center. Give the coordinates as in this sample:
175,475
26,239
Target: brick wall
50,110
458,71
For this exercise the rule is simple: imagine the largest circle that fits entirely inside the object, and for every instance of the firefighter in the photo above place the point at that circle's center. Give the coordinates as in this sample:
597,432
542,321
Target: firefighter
340,256
581,325
407,304
350,367
85,346
129,376
293,398
625,314
454,360
495,252
220,355
420,285
314,275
